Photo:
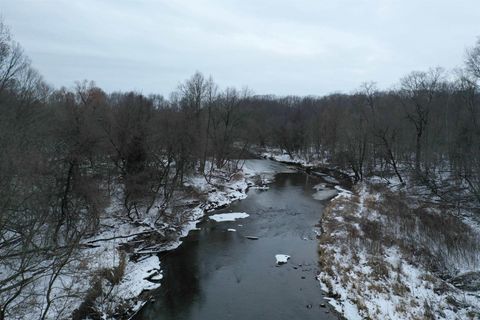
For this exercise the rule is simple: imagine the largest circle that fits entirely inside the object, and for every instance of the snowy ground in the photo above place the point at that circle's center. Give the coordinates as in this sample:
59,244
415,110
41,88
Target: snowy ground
384,256
282,156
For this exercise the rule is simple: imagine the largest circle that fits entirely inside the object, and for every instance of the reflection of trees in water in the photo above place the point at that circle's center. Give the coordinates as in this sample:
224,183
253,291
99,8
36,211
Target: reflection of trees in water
282,179
293,179
298,179
183,269
181,283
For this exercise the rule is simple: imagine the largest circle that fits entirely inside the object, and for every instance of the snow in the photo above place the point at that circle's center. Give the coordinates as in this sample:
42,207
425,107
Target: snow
309,159
254,167
330,179
262,172
380,286
282,258
325,194
232,216
342,193
135,278
232,230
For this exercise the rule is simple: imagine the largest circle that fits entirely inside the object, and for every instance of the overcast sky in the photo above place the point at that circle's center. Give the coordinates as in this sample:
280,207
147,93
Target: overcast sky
272,46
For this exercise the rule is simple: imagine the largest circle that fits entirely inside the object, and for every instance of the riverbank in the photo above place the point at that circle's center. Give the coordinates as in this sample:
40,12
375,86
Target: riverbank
144,241
393,251
139,243
310,165
386,254
113,272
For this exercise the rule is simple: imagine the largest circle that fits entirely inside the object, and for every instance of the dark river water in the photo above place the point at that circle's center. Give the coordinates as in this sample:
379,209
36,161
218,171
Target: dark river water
219,274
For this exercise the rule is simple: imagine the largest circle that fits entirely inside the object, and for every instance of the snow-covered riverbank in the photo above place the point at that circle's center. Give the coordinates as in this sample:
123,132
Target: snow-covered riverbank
113,272
216,193
387,255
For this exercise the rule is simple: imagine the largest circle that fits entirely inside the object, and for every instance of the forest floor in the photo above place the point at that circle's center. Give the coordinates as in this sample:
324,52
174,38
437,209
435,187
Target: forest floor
393,251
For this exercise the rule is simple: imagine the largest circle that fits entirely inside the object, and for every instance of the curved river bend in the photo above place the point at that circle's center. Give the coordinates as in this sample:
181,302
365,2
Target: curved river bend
220,274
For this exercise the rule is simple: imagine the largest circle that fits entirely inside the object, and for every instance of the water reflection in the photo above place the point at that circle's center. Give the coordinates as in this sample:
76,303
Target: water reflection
176,294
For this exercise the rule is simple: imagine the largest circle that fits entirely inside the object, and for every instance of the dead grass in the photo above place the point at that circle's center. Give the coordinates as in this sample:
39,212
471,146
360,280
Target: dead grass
400,289
425,235
362,307
380,270
377,287
87,309
113,276
326,262
237,176
371,203
428,277
401,307
473,314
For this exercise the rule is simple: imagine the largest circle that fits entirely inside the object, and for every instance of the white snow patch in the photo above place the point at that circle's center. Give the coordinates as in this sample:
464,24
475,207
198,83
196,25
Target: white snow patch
282,258
255,167
232,216
343,192
324,194
135,278
330,179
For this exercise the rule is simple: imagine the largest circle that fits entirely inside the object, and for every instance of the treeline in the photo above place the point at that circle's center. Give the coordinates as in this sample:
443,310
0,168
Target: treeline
426,129
65,152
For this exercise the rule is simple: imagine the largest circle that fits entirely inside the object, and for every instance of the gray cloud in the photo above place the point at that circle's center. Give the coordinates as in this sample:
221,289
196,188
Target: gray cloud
280,47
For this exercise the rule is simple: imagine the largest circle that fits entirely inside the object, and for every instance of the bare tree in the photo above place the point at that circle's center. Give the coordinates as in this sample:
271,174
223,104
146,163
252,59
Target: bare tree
418,91
473,60
12,59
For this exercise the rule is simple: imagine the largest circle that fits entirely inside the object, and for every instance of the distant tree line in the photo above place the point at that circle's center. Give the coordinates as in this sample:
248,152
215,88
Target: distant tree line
426,129
64,152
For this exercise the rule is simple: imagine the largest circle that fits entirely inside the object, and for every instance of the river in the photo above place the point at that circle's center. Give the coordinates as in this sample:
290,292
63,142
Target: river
220,274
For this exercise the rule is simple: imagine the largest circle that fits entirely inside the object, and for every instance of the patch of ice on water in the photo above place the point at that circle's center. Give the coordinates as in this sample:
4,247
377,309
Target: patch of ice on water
232,216
254,167
330,179
320,186
282,258
325,194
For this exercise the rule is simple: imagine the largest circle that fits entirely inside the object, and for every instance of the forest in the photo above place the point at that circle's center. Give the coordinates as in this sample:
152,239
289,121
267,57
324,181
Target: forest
64,151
